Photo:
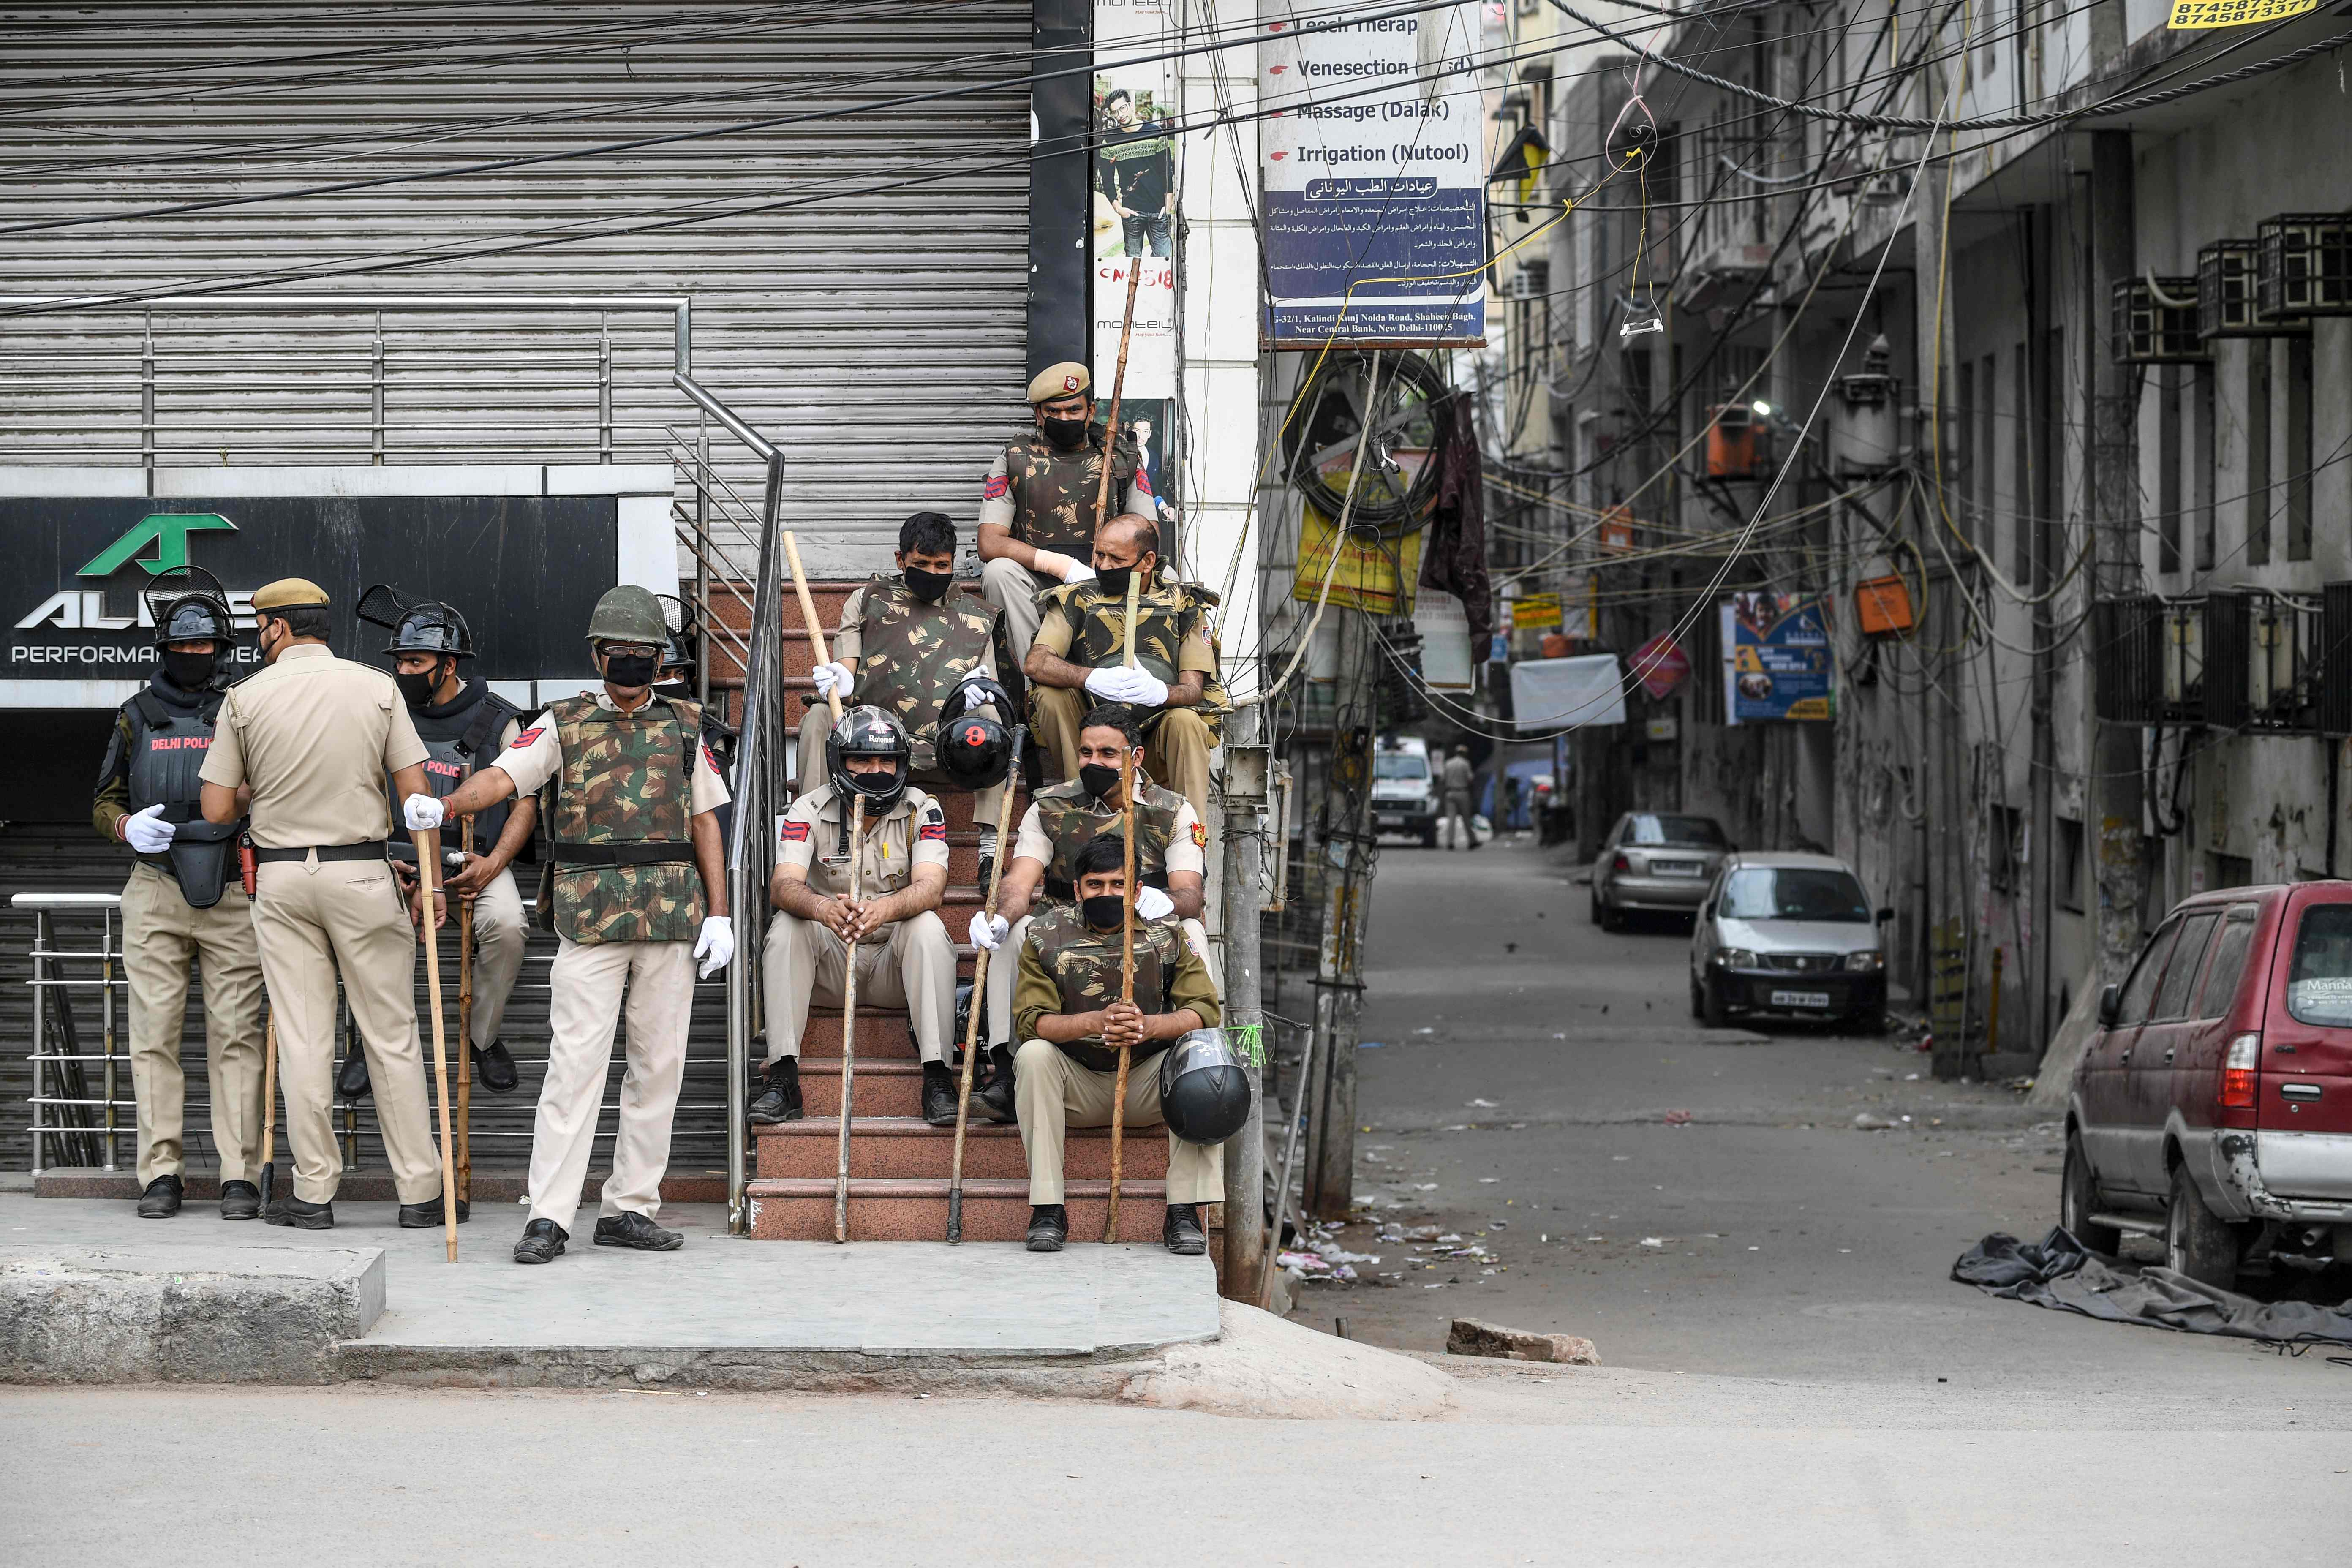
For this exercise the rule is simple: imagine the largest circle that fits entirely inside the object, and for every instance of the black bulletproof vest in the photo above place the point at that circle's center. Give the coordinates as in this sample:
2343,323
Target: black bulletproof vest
168,744
459,740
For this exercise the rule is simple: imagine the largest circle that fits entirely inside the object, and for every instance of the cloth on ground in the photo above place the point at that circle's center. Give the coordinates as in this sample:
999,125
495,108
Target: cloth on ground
2060,1273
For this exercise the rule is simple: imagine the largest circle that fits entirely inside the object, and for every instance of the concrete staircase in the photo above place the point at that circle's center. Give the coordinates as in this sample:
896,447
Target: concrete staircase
898,1166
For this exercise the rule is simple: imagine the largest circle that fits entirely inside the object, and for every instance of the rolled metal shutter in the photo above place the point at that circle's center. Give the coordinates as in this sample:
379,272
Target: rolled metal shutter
877,334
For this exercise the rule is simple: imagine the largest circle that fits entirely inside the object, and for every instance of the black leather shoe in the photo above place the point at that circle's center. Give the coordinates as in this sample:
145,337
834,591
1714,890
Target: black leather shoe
993,1097
240,1200
1181,1232
779,1099
939,1094
1049,1227
427,1214
351,1083
543,1242
631,1229
162,1198
987,869
294,1213
494,1068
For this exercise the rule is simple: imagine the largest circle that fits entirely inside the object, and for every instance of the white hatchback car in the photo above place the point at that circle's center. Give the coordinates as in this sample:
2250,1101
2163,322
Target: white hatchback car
1789,933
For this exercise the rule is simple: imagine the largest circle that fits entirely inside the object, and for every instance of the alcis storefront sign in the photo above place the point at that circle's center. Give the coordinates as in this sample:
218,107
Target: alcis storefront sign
524,571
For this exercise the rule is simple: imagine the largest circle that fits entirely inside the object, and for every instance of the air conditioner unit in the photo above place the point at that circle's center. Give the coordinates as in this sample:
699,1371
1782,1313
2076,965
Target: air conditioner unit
2152,326
2306,265
2229,305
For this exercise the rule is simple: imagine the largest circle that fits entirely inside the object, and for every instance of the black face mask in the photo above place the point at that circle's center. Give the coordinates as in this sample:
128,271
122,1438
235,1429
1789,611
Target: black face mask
416,691
1098,779
629,671
1106,912
929,586
1067,435
676,691
189,671
1112,580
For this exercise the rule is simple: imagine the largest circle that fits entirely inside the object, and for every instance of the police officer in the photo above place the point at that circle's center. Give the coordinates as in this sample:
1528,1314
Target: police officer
905,643
1081,645
904,956
639,877
463,724
1037,509
312,736
1072,1023
1170,862
149,797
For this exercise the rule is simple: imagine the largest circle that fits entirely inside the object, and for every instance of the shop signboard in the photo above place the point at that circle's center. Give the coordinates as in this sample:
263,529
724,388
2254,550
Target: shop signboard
1374,217
1776,659
524,570
1660,666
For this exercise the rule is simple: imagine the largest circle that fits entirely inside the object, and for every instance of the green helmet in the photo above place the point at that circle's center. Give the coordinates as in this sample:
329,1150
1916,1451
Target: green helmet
628,614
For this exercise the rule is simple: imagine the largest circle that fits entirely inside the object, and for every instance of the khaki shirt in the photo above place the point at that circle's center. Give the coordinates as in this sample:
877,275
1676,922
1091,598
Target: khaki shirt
914,833
314,736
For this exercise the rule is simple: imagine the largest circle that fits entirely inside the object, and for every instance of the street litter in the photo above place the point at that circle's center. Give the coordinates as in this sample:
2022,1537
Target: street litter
1488,1181
1678,1118
1653,1241
1367,1045
1424,1031
2058,1272
1483,1104
1864,1122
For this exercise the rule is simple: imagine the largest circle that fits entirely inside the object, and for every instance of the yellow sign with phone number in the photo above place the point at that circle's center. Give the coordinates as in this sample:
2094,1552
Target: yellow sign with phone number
2195,16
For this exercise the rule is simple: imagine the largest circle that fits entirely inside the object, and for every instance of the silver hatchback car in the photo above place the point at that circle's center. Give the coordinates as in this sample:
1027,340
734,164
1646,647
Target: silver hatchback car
1789,933
1655,861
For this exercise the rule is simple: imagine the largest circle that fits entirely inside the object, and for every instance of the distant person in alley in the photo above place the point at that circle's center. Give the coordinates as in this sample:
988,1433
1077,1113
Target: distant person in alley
1457,779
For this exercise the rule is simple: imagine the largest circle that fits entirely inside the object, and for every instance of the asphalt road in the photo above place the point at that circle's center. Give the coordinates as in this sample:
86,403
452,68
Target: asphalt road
1530,1080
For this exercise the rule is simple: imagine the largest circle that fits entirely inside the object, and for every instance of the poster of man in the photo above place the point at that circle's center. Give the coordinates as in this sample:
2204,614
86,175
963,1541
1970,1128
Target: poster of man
1134,176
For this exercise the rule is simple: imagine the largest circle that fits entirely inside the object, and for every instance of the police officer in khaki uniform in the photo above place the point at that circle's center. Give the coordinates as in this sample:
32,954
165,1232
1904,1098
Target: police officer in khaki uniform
905,643
1079,658
904,956
313,736
639,877
1072,1023
183,899
1037,509
1170,862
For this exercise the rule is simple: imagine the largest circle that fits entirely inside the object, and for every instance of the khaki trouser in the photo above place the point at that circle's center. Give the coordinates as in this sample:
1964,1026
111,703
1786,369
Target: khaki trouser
501,931
1052,1091
314,918
1175,749
586,983
1458,811
1014,589
160,934
805,962
816,724
1004,966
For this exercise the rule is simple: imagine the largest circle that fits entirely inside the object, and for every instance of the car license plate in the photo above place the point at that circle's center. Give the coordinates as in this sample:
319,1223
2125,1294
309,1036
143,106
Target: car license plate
1389,819
1801,999
1677,868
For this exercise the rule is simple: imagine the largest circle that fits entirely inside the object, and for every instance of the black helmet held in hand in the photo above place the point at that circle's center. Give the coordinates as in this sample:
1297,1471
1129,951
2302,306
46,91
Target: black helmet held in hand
1205,1092
973,749
869,731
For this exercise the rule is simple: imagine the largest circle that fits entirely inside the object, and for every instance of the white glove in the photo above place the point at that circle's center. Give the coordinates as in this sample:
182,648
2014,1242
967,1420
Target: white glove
1150,691
1153,905
148,832
988,930
832,677
972,698
715,945
1080,572
422,812
1112,683
1068,568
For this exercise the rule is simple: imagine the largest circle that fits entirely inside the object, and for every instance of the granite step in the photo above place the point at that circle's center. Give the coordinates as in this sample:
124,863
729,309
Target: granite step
899,1147
801,1209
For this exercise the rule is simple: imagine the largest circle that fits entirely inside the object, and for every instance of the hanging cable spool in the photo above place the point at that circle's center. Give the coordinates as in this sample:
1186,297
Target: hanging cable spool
1397,483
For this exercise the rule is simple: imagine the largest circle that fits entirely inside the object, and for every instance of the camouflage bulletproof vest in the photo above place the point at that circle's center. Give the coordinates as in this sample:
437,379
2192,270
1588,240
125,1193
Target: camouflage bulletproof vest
1053,491
624,781
1085,965
913,656
1162,617
1072,819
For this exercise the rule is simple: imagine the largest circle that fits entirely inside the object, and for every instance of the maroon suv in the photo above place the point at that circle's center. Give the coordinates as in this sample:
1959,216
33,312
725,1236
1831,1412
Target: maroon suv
2214,1106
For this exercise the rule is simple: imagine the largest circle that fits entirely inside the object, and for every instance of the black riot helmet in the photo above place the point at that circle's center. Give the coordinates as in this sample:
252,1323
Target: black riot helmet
675,663
1205,1092
188,604
973,749
431,628
869,731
